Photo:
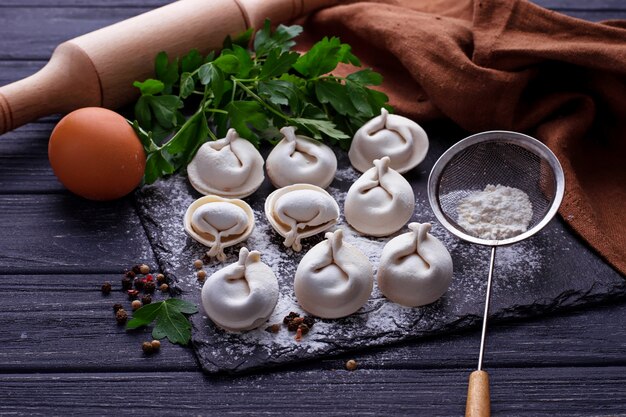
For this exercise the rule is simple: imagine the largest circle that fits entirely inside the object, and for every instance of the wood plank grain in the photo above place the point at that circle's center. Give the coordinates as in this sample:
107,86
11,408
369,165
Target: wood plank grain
24,166
61,233
514,391
53,321
46,27
64,322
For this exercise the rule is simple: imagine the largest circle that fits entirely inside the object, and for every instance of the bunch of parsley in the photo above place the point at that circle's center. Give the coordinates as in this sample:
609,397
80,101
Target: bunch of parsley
254,91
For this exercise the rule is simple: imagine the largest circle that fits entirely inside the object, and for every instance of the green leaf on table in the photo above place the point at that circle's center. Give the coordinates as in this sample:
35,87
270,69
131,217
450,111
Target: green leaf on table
277,63
173,325
281,38
171,321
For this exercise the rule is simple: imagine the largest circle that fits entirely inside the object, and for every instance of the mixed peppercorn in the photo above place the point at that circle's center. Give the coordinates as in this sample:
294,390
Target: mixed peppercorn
139,284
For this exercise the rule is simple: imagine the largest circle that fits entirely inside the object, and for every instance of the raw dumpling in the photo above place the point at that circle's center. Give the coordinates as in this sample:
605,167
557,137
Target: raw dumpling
228,167
218,223
334,279
415,268
300,210
397,137
241,296
299,159
380,202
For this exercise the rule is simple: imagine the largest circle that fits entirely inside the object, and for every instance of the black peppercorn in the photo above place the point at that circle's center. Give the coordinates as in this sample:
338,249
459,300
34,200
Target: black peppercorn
309,321
129,274
290,317
146,299
106,288
137,269
149,287
121,316
117,307
127,283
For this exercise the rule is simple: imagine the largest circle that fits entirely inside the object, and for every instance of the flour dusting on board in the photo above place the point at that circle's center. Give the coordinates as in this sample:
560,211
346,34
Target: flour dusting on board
379,322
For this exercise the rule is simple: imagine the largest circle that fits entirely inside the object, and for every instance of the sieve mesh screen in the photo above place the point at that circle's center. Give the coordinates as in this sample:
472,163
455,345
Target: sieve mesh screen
496,162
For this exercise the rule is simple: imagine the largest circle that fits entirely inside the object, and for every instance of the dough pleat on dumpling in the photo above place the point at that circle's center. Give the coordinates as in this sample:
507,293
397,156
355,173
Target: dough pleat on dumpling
228,167
299,159
299,211
242,295
380,202
218,223
415,268
334,279
399,138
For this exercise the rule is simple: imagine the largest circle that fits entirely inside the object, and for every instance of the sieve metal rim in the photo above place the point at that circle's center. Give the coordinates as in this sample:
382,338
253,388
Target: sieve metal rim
503,136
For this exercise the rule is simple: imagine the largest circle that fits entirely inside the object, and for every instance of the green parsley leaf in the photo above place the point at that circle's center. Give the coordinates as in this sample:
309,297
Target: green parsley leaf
323,126
150,86
324,57
229,64
257,92
164,109
281,39
336,94
191,61
187,85
278,63
366,77
245,115
166,71
170,319
189,138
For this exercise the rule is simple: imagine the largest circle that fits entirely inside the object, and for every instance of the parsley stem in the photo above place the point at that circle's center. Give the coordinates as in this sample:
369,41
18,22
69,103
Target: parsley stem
260,100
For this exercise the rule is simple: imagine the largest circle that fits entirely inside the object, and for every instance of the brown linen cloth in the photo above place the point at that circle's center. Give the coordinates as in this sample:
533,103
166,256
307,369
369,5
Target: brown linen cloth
508,64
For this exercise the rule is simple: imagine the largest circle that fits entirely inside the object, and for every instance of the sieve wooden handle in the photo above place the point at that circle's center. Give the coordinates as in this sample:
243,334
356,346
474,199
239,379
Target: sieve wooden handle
98,69
478,403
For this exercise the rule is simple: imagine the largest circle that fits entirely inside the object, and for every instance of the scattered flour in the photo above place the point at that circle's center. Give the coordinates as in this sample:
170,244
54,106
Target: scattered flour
499,212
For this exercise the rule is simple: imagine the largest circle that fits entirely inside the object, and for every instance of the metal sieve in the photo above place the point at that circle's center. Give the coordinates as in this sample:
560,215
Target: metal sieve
491,158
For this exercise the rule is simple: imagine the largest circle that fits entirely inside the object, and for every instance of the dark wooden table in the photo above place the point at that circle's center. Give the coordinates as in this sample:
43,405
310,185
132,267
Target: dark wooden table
61,352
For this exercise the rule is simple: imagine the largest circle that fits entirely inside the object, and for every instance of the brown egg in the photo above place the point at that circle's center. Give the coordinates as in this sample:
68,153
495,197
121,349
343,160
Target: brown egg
96,154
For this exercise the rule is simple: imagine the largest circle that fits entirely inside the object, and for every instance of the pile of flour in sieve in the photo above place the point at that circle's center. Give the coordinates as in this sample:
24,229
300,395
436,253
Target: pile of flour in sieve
499,212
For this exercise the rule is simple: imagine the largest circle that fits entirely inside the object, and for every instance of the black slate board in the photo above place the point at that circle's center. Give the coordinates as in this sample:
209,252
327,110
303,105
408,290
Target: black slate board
550,271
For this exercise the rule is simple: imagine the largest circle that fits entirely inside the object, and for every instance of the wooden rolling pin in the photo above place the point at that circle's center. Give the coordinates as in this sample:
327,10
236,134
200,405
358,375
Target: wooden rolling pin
98,69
